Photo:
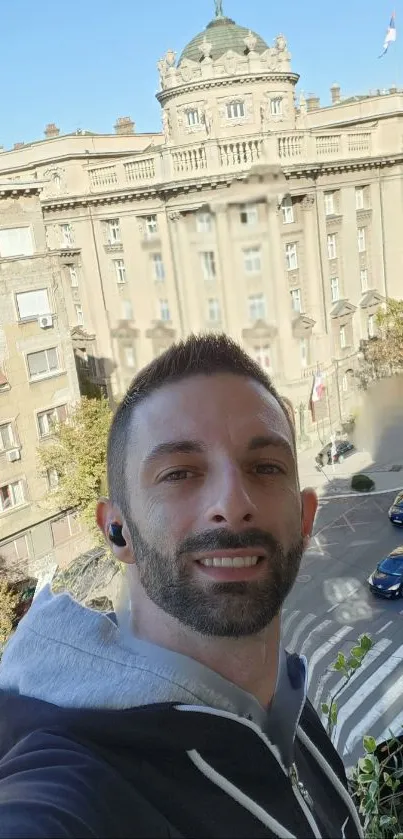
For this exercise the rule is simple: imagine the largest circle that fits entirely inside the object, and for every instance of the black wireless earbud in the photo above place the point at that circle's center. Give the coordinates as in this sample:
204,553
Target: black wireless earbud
115,535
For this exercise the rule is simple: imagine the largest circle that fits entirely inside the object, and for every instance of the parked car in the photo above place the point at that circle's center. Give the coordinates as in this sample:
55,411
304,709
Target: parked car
395,512
387,579
343,448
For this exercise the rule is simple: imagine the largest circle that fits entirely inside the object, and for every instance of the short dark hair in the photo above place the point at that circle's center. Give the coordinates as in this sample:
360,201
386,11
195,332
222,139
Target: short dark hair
196,355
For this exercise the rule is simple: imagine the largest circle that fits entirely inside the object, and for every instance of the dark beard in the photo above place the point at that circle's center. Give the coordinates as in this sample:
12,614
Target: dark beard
231,610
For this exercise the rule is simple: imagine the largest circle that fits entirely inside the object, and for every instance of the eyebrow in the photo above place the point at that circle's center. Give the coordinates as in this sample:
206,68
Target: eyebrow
197,447
175,447
265,441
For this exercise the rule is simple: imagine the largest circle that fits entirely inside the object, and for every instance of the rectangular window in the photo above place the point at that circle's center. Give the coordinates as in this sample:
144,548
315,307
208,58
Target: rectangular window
214,310
151,226
32,304
193,117
79,315
291,256
16,241
130,357
164,310
262,354
296,299
11,495
329,203
276,106
344,384
252,260
257,307
7,440
49,420
287,210
127,310
334,289
15,550
331,246
303,352
66,233
53,478
235,110
359,198
343,337
158,267
204,222
64,528
42,363
361,239
120,270
364,279
249,214
73,274
114,236
208,265
371,326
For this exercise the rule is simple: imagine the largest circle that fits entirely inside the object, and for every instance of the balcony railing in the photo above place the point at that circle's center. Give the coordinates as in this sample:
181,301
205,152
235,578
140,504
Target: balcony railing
216,156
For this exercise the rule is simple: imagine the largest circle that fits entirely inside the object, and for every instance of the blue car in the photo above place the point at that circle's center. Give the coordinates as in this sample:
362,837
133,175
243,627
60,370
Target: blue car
387,579
395,512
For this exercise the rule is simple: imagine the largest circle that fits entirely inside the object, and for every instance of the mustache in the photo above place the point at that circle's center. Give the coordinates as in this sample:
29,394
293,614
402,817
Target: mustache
223,539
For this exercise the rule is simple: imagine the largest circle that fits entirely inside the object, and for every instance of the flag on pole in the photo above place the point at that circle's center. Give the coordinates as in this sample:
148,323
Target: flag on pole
318,388
390,36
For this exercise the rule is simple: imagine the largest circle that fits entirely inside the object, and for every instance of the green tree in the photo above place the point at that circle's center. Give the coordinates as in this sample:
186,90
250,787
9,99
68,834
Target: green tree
8,602
78,454
383,354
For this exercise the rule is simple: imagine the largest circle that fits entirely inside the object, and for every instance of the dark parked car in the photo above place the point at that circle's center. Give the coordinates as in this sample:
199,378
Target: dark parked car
343,448
395,512
387,579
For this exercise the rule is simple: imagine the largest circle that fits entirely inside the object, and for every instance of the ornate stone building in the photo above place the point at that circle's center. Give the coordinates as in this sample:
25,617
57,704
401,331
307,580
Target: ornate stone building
255,211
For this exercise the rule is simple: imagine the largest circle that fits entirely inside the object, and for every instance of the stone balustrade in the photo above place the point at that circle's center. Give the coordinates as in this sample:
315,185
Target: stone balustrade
212,157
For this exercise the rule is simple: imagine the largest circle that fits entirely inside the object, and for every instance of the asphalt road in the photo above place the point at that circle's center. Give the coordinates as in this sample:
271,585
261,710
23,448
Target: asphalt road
331,606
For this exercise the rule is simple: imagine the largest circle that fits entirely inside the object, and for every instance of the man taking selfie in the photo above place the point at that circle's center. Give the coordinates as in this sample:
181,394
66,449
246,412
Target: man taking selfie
184,716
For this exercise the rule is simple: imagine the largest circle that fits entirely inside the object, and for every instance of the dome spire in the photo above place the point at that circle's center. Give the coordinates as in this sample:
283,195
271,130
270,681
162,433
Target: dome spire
219,12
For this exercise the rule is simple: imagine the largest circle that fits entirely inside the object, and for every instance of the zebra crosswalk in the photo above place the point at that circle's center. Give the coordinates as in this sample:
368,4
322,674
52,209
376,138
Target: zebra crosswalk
372,702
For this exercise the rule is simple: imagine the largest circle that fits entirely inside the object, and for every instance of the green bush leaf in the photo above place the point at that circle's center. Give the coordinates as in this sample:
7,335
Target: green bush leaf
325,708
366,643
353,663
357,652
369,744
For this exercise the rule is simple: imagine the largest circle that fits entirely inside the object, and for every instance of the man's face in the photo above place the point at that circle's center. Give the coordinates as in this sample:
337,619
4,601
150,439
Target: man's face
216,521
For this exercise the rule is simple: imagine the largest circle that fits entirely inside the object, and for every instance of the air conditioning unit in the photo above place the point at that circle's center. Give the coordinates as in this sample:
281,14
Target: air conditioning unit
13,455
45,321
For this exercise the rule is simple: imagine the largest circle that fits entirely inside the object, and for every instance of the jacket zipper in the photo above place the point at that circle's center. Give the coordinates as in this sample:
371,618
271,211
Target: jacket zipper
304,800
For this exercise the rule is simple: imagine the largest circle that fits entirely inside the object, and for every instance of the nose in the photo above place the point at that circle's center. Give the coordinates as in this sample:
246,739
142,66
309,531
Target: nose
230,502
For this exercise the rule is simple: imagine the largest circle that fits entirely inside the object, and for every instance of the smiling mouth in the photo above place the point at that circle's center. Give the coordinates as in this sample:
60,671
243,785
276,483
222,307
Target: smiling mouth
230,561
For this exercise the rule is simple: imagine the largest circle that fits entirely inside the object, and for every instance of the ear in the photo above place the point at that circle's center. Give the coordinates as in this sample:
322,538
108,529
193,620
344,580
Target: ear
106,514
309,501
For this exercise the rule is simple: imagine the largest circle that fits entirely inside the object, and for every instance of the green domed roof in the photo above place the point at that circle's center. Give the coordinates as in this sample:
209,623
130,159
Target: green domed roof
223,34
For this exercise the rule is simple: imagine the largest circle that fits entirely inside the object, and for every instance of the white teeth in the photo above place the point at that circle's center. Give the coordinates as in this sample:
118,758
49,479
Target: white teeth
229,562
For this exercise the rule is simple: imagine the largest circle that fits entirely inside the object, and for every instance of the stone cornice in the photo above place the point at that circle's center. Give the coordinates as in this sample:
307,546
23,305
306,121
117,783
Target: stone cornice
164,96
198,183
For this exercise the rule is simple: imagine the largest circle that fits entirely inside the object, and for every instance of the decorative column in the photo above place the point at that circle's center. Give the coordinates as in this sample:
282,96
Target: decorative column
285,341
313,274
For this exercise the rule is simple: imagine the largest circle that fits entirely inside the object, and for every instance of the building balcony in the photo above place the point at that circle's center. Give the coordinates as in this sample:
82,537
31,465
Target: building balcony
212,158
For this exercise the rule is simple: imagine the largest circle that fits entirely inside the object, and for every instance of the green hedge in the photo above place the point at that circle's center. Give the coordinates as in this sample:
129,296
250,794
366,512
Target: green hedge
362,483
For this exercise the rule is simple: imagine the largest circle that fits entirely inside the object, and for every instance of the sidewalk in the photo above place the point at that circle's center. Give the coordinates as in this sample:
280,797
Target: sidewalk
335,480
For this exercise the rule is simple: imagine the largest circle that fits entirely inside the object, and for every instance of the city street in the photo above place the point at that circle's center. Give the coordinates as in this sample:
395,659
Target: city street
331,606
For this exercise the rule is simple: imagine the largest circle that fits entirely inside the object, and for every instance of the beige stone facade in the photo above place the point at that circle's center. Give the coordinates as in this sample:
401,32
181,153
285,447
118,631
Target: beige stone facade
276,220
38,386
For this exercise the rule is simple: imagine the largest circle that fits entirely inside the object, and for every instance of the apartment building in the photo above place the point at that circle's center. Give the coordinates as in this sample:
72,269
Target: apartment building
38,386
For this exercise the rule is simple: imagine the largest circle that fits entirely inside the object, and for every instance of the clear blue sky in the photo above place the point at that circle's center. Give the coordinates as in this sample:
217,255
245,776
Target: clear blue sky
82,63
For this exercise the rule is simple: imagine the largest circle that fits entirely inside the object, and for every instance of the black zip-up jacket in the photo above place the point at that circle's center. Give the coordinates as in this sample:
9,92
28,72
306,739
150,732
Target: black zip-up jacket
163,771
